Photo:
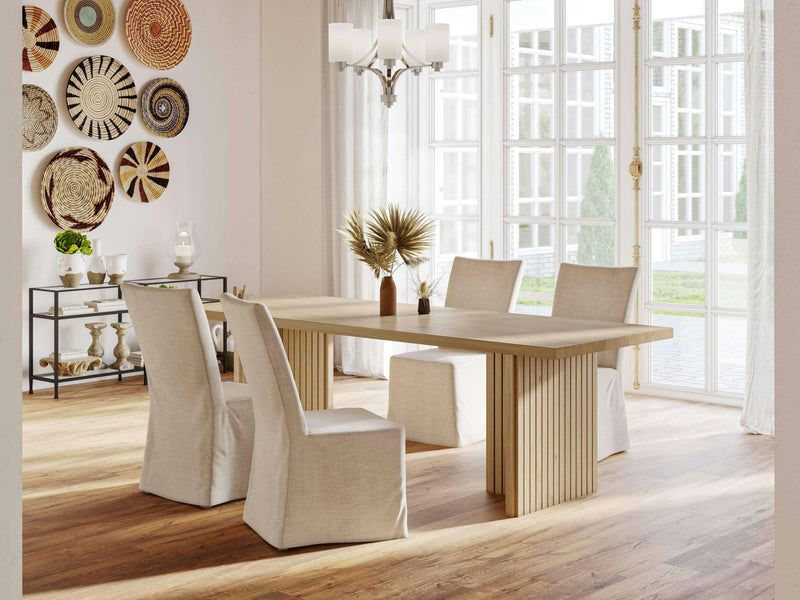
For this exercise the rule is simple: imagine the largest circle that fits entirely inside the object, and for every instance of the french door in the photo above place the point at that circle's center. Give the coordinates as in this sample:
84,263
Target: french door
527,136
557,153
695,196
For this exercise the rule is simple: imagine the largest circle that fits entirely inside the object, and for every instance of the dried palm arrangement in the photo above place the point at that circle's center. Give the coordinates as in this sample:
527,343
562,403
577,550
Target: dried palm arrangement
388,238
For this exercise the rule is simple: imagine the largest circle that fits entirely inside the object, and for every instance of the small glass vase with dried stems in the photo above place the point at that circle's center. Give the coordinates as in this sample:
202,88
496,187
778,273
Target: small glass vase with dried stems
425,288
388,238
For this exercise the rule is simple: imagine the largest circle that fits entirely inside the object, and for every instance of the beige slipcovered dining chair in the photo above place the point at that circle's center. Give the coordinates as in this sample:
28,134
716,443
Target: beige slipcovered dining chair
318,477
601,294
200,430
439,394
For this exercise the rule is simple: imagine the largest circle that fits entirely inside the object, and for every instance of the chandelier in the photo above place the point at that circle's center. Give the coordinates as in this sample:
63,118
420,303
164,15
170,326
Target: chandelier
413,50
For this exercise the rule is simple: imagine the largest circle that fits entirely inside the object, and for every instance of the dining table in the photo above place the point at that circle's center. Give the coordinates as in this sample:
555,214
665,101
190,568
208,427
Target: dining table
541,380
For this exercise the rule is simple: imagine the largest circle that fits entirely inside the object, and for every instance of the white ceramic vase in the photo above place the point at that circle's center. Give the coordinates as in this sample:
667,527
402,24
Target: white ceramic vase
116,267
71,269
96,271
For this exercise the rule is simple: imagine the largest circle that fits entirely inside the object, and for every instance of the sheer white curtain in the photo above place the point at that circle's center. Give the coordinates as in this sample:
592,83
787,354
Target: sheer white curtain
357,138
758,415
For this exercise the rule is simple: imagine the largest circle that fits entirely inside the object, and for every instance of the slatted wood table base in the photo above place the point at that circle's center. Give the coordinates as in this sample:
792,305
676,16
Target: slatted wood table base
541,425
310,356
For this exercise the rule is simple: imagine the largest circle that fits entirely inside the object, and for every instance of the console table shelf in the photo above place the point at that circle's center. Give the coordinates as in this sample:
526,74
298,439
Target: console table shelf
55,292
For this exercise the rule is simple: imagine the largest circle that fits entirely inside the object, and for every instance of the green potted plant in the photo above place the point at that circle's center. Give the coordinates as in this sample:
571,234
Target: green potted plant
72,245
389,238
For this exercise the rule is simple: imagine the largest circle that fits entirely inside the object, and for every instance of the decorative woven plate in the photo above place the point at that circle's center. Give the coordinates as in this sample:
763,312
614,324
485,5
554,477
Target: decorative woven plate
144,171
39,39
77,189
101,97
165,107
159,32
39,118
91,22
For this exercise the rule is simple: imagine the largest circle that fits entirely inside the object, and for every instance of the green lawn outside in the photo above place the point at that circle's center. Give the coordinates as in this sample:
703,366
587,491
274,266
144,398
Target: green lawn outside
679,287
543,285
675,287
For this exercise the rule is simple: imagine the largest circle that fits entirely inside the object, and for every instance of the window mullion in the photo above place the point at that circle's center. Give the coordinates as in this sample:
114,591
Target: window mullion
560,101
711,196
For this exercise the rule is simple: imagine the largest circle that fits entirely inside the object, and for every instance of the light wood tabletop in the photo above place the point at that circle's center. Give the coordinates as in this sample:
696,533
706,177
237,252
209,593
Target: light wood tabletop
541,381
482,331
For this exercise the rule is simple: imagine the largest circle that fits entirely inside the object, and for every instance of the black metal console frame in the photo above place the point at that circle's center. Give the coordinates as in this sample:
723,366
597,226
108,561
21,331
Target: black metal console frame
56,291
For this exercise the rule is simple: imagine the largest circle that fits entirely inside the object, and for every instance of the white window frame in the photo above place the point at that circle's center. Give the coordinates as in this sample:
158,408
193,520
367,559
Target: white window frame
493,223
500,222
712,227
427,135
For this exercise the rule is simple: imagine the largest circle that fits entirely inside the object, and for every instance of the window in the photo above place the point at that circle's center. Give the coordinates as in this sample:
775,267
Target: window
453,138
695,198
559,148
521,159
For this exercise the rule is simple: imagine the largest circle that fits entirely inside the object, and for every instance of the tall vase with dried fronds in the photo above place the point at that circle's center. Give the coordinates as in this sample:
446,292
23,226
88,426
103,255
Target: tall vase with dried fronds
388,238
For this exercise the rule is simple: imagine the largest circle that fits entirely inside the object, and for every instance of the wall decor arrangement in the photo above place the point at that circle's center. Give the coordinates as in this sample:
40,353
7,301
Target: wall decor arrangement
91,22
39,39
39,117
165,107
144,171
159,32
77,189
101,97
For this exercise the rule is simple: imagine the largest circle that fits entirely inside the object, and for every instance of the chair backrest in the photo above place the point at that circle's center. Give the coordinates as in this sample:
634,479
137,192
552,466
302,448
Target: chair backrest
484,284
276,403
595,294
173,333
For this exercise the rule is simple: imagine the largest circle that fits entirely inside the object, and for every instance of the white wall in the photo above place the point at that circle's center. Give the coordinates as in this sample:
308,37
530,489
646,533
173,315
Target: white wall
214,161
787,307
10,275
295,225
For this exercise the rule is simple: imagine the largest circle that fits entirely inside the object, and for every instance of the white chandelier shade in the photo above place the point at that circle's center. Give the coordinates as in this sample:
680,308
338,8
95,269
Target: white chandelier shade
414,49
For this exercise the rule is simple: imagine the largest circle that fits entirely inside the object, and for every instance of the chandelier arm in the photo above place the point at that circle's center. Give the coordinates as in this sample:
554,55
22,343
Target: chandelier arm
384,82
366,56
411,55
393,81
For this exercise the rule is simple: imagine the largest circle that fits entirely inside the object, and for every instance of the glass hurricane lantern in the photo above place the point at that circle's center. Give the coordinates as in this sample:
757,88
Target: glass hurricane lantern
183,251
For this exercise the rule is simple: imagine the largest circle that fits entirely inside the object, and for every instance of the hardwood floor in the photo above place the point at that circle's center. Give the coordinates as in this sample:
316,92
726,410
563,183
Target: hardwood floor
687,513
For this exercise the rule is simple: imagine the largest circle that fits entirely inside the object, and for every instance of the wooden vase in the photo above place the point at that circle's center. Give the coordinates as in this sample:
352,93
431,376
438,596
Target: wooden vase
388,296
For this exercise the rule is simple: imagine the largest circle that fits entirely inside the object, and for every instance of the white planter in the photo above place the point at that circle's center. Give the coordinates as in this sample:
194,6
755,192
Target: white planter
71,268
116,267
96,270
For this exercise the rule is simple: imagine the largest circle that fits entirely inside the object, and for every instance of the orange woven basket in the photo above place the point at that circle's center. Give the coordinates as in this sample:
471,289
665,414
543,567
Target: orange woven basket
159,32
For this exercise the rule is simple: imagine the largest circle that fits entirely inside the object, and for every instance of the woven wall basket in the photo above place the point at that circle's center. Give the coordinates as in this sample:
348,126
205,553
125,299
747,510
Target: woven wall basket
77,189
101,97
91,22
39,118
144,171
165,107
159,32
39,39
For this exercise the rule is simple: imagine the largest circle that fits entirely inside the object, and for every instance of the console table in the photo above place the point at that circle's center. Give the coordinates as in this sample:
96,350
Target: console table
55,293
